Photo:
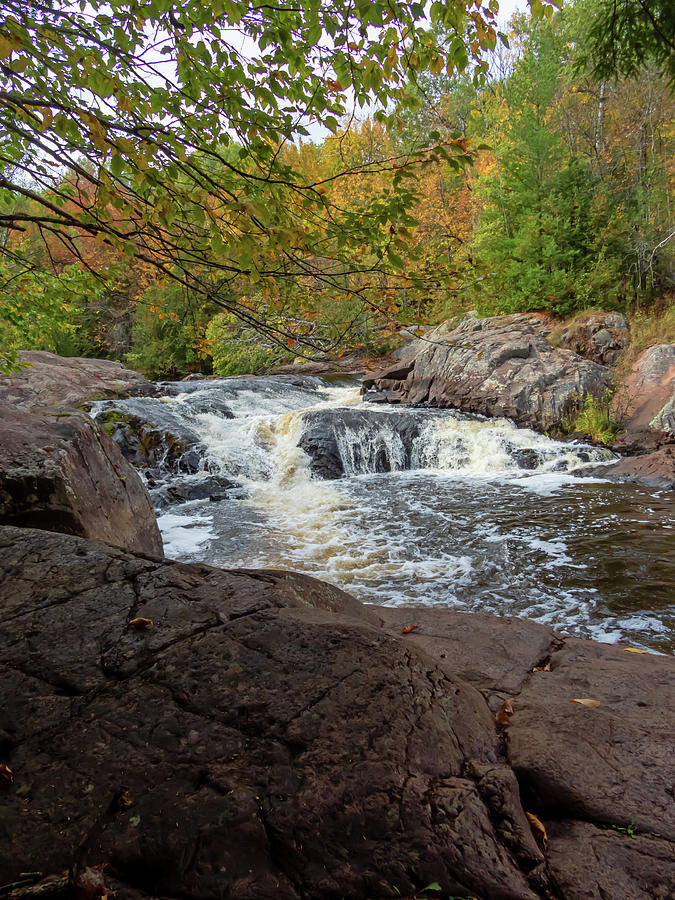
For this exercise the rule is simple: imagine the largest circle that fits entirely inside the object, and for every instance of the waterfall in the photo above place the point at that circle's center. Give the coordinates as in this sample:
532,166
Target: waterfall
401,505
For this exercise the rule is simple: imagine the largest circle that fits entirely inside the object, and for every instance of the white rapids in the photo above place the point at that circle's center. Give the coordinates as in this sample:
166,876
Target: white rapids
431,507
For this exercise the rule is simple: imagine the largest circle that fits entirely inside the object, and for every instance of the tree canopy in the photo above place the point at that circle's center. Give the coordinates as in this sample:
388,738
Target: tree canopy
157,129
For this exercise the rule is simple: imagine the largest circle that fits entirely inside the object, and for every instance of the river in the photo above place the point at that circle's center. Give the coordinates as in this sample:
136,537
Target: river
431,507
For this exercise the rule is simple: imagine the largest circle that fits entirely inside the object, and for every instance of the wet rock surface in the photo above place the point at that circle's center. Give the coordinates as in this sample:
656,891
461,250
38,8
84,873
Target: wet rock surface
207,733
53,380
500,366
61,472
385,441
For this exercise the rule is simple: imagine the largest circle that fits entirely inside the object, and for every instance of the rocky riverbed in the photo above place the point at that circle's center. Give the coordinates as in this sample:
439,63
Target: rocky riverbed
178,730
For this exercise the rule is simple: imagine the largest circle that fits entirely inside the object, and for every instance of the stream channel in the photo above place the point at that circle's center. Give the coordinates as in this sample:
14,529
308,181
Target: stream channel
413,506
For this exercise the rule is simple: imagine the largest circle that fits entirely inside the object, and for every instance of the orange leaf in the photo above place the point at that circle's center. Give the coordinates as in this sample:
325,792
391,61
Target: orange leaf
503,717
408,628
538,830
6,772
140,624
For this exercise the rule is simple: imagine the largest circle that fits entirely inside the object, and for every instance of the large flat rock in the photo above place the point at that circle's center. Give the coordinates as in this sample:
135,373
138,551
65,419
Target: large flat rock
611,761
52,380
203,733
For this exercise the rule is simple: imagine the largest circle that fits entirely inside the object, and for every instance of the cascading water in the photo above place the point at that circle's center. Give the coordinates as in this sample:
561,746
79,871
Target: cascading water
415,506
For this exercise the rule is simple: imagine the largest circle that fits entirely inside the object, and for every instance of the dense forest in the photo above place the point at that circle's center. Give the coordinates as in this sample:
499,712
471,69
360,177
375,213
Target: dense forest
520,175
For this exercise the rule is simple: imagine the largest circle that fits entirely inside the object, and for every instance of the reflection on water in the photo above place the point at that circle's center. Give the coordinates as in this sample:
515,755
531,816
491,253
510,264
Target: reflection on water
465,527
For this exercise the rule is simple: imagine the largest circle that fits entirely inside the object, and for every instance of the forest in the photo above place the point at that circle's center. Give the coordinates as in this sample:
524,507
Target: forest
530,170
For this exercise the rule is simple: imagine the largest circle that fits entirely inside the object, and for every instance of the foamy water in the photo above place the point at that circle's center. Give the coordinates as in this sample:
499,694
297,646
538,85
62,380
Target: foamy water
456,521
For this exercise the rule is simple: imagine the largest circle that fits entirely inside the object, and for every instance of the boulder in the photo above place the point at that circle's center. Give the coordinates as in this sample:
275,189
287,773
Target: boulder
357,441
52,380
646,397
500,366
159,448
203,733
175,730
61,472
601,337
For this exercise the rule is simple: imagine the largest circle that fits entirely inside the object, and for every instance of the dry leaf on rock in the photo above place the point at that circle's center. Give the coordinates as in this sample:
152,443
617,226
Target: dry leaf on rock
140,624
634,650
408,628
546,668
586,701
538,830
6,773
503,717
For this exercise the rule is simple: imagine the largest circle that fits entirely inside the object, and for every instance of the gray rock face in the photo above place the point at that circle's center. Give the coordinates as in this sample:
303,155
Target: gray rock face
499,366
60,381
600,337
63,473
205,733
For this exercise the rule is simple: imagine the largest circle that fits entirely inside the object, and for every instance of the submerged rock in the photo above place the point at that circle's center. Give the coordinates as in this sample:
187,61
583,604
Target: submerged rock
205,733
500,366
63,473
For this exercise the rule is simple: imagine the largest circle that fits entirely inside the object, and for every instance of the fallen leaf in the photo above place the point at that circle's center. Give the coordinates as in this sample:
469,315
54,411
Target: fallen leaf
634,650
408,628
6,772
538,830
90,884
140,624
546,668
503,717
586,701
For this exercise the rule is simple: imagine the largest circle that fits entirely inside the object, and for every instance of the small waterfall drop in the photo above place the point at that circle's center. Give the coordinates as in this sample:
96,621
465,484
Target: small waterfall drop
402,505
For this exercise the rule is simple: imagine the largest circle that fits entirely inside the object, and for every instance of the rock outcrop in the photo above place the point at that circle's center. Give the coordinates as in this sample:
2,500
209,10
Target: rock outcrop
601,337
646,397
201,733
500,366
60,381
61,472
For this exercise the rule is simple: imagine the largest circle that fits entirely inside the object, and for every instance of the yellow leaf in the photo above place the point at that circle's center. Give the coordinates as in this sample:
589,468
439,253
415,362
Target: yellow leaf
634,650
586,701
5,47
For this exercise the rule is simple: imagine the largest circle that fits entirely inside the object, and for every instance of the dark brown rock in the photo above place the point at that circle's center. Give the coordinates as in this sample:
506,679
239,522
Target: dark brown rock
203,733
501,366
68,381
63,473
591,863
655,469
245,744
611,764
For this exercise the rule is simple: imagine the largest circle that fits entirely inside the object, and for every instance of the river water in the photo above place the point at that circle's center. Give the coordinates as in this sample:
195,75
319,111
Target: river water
470,513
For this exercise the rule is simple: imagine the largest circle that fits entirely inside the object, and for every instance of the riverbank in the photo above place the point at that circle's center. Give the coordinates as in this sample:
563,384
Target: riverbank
173,729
